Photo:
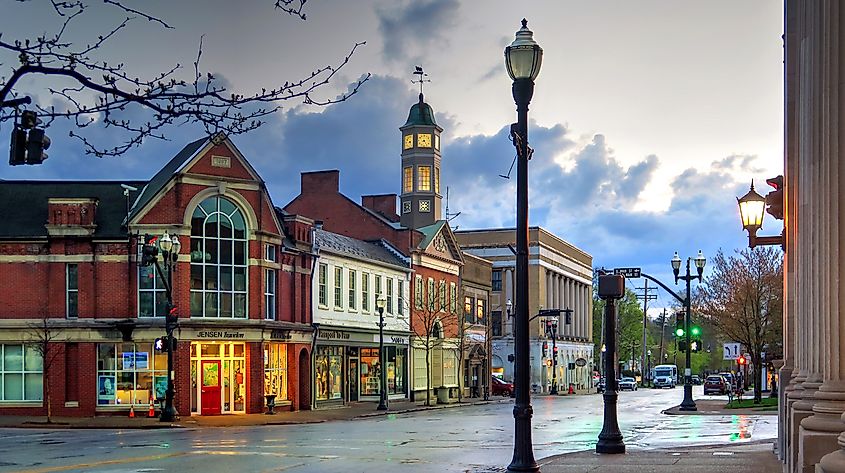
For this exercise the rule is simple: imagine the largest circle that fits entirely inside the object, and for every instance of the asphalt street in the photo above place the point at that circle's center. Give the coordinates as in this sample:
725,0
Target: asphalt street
474,439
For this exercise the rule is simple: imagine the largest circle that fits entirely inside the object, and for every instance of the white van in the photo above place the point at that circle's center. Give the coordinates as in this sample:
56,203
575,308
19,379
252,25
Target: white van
665,376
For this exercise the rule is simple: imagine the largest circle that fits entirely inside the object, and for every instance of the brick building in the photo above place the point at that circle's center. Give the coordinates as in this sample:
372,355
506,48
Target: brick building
241,285
420,234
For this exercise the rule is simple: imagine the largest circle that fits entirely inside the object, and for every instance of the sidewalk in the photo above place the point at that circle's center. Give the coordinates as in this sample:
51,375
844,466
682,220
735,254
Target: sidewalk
748,458
141,421
716,407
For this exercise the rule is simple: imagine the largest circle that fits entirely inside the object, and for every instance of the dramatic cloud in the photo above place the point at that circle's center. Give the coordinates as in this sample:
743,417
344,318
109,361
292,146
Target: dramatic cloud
411,28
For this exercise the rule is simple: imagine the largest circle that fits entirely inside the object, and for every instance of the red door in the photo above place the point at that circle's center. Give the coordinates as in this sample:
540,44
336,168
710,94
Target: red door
210,401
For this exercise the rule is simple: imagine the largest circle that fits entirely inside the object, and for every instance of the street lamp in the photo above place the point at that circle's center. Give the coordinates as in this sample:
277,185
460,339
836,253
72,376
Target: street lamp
688,404
751,210
166,249
382,400
522,59
551,330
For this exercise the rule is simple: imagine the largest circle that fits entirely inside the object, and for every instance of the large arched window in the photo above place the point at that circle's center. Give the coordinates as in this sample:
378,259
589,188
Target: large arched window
218,260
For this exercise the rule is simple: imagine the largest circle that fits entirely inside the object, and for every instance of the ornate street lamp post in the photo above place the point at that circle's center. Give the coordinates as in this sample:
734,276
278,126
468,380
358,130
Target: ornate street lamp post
551,330
382,399
752,207
688,404
522,59
611,289
169,255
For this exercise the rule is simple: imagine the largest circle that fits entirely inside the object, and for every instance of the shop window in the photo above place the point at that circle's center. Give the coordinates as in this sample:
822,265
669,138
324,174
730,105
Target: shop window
390,296
72,290
152,299
497,280
227,363
21,373
323,286
218,260
270,294
365,292
130,373
329,373
275,370
353,279
338,287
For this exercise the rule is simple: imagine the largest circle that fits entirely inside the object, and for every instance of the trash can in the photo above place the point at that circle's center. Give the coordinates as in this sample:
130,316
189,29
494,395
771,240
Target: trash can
271,403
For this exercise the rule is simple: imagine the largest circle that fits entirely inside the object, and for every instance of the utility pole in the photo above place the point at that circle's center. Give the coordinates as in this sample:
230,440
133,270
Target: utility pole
645,296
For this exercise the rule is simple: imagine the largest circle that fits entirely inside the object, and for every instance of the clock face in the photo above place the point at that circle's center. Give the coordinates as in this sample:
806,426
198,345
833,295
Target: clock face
424,140
425,206
409,141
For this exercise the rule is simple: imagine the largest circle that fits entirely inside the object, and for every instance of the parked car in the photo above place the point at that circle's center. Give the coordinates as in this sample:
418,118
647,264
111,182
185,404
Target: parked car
695,380
501,387
628,383
715,384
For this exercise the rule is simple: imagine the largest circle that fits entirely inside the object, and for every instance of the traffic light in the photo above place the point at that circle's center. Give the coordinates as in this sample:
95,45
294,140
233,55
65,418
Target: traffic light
682,345
679,324
160,344
549,362
149,251
28,147
696,346
679,332
741,360
774,199
171,320
695,330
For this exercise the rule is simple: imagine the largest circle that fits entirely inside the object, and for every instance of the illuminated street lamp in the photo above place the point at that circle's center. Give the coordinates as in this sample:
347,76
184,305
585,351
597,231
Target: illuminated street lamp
382,400
752,207
522,59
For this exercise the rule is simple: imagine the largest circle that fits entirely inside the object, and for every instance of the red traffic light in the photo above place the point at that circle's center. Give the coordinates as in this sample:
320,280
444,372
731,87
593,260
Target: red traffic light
741,360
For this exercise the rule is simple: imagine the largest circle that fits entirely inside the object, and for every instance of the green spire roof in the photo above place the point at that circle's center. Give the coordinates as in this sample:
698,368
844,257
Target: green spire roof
420,114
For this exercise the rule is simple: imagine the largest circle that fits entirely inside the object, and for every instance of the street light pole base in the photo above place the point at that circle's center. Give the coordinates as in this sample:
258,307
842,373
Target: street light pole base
610,444
169,414
688,408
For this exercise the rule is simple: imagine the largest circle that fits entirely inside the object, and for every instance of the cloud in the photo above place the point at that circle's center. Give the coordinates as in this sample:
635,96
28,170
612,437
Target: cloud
411,28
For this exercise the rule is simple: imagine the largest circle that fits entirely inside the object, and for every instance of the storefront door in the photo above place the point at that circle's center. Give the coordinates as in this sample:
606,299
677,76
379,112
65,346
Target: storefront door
210,387
353,379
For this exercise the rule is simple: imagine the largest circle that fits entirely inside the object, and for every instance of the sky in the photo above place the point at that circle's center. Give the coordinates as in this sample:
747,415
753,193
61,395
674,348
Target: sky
648,117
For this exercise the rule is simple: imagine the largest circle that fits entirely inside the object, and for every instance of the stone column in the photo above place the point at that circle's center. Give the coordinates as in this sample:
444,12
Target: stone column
567,302
798,408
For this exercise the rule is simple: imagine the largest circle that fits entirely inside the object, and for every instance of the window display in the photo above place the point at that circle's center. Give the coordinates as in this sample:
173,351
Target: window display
275,370
371,370
130,373
329,373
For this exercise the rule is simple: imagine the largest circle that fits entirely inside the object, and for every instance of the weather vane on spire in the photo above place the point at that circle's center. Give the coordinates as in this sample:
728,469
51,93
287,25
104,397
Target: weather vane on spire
418,71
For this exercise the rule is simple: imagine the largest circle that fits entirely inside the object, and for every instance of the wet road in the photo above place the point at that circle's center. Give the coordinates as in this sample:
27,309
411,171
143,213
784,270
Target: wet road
464,439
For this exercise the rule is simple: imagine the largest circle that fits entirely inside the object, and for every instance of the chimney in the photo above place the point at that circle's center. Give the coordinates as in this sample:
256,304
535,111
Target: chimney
322,182
383,204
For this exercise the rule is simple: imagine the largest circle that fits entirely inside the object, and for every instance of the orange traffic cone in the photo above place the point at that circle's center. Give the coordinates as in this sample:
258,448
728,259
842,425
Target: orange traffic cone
152,412
131,412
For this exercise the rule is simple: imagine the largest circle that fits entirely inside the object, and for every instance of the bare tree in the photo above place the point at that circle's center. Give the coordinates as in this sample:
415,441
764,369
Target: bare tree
172,98
42,336
431,319
743,299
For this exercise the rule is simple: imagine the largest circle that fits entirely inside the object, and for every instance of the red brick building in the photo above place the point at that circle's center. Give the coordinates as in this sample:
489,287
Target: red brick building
420,234
69,272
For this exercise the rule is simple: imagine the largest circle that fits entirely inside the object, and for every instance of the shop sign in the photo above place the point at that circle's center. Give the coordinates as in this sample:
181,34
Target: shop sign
392,339
581,362
221,334
279,334
333,335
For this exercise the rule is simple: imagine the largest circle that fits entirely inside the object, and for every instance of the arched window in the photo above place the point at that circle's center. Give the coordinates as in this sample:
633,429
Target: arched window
437,330
218,260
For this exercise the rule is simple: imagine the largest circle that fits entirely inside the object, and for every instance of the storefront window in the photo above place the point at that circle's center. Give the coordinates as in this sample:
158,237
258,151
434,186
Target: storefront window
371,370
275,370
20,373
228,360
130,373
329,373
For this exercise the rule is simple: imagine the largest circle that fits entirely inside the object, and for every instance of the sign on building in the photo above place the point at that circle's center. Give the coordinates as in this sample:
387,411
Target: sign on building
731,351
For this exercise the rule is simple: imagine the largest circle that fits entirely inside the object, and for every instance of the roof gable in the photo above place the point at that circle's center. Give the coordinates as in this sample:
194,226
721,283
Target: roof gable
439,241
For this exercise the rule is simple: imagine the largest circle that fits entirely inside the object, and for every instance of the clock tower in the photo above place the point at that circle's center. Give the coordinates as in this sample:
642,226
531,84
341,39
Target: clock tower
420,198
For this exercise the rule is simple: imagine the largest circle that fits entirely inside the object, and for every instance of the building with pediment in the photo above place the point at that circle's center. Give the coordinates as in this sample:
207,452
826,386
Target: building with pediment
69,254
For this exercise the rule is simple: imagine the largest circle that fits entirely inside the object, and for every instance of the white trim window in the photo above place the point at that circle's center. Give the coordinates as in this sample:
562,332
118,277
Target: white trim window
219,260
322,286
379,289
400,296
453,297
431,295
152,298
72,290
418,292
389,295
270,253
21,373
442,303
338,287
270,294
365,292
353,277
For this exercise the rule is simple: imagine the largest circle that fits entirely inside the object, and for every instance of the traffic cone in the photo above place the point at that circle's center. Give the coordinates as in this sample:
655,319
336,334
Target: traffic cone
571,389
152,412
131,412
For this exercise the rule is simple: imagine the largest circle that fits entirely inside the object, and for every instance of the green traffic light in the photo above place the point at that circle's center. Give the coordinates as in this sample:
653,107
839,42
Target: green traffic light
695,331
679,332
